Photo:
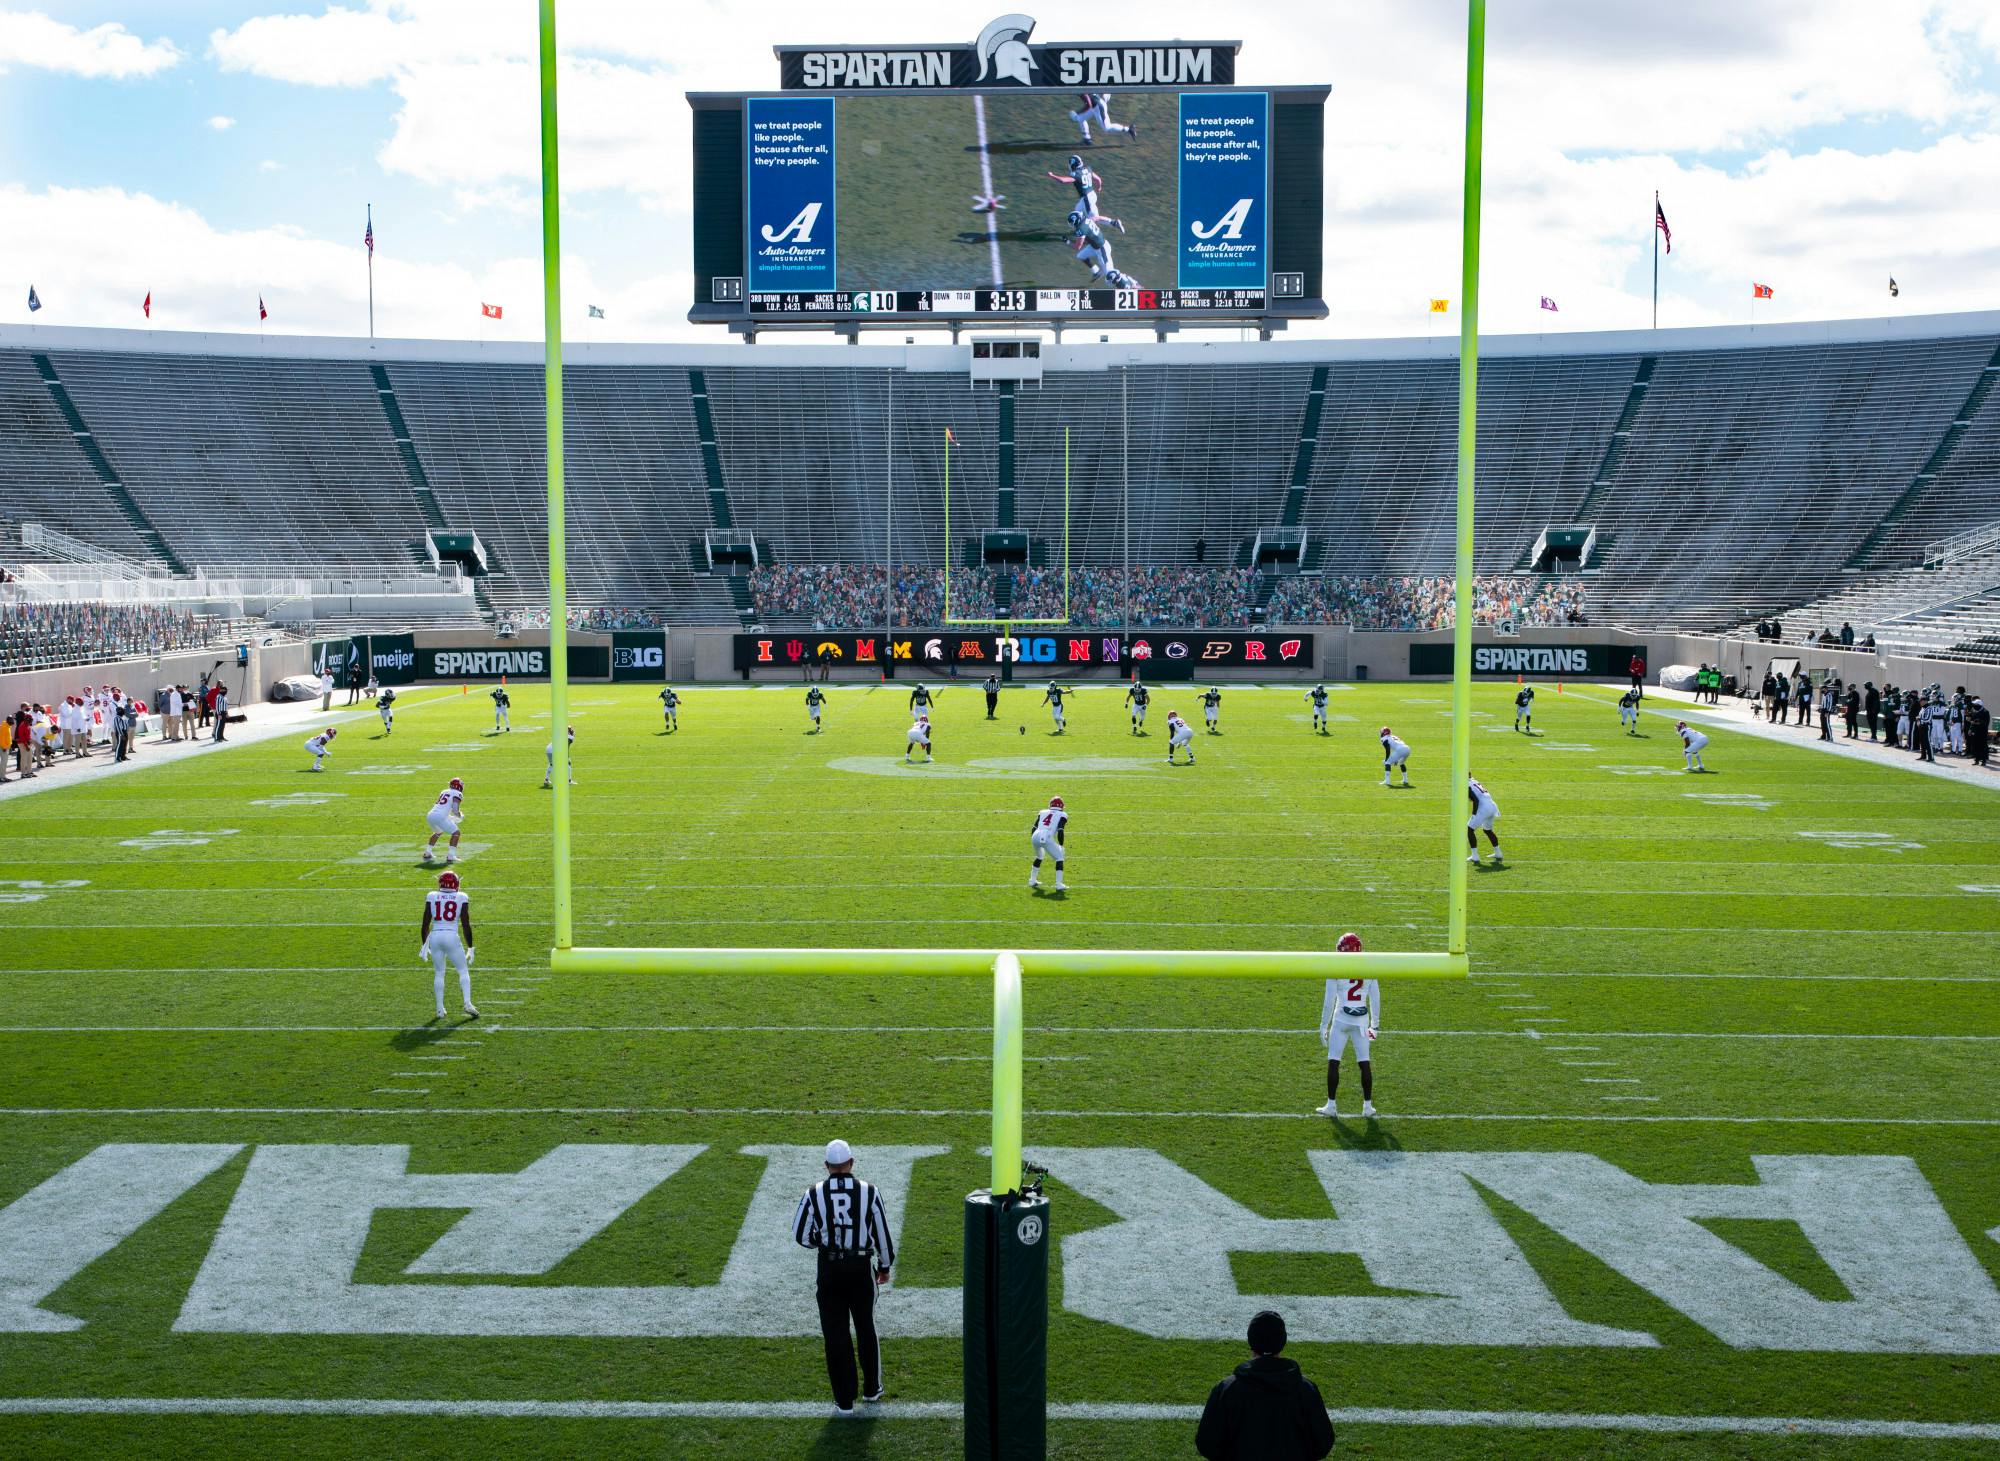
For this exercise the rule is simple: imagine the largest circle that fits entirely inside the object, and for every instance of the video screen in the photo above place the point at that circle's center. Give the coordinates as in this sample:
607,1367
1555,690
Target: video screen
1027,190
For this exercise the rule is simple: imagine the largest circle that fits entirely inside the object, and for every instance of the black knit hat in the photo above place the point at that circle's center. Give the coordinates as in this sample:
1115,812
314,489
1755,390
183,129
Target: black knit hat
1267,1332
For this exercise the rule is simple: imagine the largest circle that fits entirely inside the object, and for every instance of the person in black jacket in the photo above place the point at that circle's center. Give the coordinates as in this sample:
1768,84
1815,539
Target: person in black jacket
1266,1410
1978,731
1871,705
1850,711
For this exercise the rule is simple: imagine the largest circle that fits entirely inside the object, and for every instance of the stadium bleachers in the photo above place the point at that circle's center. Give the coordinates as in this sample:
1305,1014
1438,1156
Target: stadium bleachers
1725,478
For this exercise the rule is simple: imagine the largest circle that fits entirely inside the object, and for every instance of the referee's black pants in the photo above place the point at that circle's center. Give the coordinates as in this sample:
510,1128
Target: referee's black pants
992,701
847,1295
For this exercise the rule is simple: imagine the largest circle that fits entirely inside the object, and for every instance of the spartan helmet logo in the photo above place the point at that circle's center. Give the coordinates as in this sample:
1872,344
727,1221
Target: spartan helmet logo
1003,49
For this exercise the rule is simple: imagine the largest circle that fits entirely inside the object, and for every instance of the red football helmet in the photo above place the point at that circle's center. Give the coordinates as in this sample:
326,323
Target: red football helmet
448,881
457,785
1385,733
1680,725
1350,943
1056,802
332,731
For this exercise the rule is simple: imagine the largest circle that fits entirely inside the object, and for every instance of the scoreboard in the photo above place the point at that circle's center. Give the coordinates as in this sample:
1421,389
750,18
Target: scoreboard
906,184
985,303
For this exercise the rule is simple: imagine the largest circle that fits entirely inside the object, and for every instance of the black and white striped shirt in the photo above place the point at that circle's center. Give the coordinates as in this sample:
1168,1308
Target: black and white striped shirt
845,1217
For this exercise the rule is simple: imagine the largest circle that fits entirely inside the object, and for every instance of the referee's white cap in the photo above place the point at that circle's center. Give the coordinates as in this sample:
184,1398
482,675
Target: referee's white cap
838,1153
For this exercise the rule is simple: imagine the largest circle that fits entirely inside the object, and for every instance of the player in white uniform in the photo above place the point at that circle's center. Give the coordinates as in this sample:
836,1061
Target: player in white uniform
1628,712
386,703
1047,840
443,819
1318,697
919,735
321,747
447,939
1693,742
1180,737
1095,106
1211,708
1485,817
1137,696
501,706
1053,698
549,755
1350,1014
1524,708
1395,753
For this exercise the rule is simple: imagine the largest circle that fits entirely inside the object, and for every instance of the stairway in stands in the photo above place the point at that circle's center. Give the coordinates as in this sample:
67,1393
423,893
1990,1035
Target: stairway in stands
719,514
142,525
1607,466
1934,464
1293,514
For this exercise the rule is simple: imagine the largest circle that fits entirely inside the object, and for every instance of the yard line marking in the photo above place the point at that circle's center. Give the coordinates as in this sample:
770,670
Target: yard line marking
973,1113
986,188
1609,1080
1628,1098
1573,1047
512,989
440,1057
982,1059
416,1075
815,1410
1585,1062
986,1031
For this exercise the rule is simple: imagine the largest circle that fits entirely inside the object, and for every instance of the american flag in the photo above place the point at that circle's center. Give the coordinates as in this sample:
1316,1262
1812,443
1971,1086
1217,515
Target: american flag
368,238
1660,222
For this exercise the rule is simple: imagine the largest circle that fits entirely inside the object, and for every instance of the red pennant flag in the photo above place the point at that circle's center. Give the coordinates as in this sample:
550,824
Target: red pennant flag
949,437
491,311
148,305
1760,291
262,313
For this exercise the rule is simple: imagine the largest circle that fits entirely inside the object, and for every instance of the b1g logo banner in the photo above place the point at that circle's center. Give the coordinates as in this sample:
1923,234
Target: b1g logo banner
791,192
1580,661
1225,168
638,655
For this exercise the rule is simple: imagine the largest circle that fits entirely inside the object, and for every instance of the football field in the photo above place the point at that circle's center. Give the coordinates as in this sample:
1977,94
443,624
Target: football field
1700,1161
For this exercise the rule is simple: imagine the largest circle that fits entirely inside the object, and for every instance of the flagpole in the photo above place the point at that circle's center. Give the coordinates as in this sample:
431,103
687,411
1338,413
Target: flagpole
371,269
1656,258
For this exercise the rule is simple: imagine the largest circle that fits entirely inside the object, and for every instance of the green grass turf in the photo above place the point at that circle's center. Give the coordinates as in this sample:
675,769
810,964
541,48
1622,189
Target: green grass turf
908,168
1625,903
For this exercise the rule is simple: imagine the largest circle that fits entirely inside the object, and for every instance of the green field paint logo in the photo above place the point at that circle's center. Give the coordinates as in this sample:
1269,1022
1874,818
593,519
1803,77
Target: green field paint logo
284,1258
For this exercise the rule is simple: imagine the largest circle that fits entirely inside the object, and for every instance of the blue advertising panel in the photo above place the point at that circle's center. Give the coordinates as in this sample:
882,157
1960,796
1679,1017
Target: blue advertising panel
790,192
1225,171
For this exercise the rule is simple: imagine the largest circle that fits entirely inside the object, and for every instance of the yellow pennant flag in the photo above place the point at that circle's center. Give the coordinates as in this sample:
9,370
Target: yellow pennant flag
1439,306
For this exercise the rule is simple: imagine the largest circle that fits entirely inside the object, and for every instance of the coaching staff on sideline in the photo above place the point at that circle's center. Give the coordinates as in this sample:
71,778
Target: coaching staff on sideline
844,1220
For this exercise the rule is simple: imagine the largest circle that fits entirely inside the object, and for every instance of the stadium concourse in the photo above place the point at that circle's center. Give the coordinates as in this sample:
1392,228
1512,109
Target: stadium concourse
1698,1161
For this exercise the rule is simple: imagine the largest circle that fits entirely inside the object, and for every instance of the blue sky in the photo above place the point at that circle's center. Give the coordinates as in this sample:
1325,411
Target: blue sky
1816,145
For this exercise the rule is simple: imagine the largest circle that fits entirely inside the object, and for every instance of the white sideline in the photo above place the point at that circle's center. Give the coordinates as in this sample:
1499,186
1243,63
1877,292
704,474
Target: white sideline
949,1410
979,1113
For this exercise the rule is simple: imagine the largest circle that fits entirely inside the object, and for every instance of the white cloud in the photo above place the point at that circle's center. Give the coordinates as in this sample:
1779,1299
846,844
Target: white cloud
30,38
270,164
221,124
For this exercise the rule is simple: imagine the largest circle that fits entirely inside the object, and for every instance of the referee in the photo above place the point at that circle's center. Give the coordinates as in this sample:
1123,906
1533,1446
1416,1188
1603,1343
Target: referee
843,1219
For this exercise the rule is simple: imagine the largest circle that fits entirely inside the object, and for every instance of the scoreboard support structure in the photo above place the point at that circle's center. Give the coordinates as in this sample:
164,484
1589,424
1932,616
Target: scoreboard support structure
1007,968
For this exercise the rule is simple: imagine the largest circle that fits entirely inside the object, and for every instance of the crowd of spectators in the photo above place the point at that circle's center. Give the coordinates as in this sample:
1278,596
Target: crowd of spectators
837,595
1425,601
594,621
1194,598
36,635
833,596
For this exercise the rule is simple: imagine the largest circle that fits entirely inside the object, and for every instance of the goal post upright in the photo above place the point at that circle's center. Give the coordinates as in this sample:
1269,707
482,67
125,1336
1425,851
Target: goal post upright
558,546
1468,441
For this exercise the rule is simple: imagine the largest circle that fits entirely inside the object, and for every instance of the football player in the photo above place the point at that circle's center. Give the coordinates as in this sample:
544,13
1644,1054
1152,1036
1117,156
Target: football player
918,735
815,697
549,754
1395,754
447,939
443,819
1136,697
321,747
1628,712
1318,697
1053,698
1485,815
1088,186
1180,736
1524,708
1091,247
386,704
1095,106
922,702
670,710
501,706
1211,708
1350,1014
1046,838
1692,744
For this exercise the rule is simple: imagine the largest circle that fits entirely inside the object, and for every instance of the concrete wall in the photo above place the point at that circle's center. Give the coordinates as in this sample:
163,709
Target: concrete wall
1746,659
137,676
